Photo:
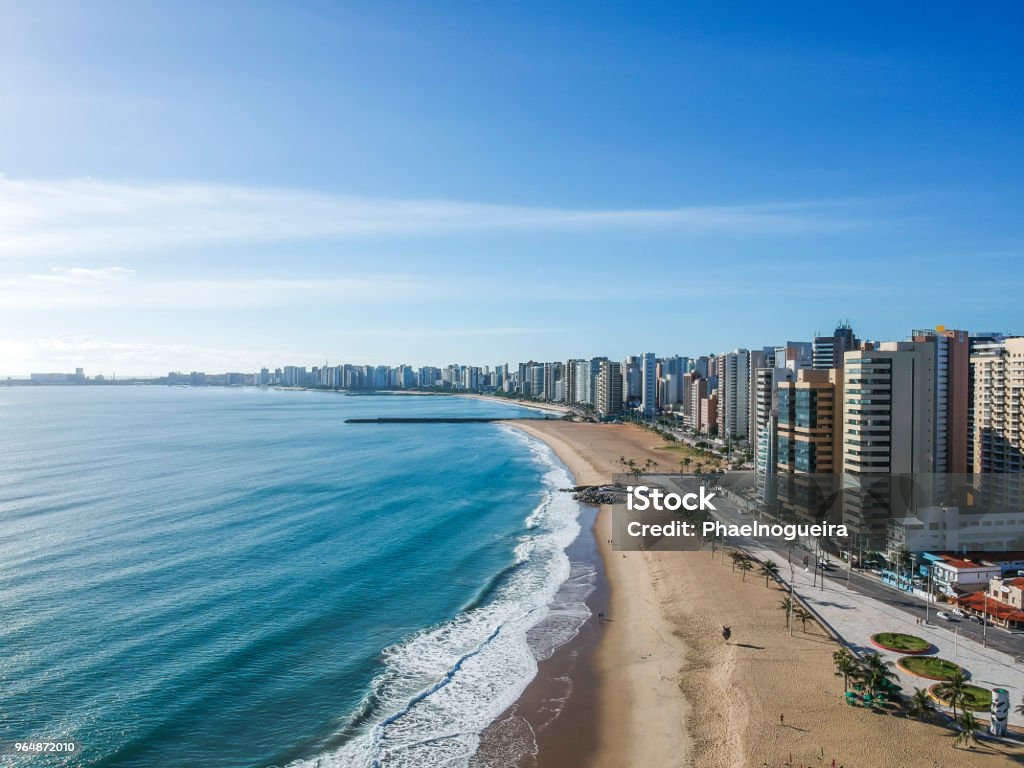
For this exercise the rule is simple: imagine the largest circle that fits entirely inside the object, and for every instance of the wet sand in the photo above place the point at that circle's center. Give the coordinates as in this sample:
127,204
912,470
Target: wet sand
662,688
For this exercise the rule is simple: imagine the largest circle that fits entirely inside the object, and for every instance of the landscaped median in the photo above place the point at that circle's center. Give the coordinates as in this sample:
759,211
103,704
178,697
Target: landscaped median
930,667
897,642
976,698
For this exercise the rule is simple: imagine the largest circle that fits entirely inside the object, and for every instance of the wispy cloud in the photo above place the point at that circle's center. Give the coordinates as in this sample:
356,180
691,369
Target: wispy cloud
125,289
84,216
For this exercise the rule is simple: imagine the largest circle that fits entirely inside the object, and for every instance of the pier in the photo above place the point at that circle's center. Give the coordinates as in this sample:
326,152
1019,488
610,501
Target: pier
447,419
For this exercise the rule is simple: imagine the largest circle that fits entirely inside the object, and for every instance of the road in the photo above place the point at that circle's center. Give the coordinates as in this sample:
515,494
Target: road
871,587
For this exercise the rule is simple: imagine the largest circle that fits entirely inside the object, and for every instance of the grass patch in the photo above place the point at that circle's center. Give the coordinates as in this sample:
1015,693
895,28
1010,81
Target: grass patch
976,698
929,666
897,641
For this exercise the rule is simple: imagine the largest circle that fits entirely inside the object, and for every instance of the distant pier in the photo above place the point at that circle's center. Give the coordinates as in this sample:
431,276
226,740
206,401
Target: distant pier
447,419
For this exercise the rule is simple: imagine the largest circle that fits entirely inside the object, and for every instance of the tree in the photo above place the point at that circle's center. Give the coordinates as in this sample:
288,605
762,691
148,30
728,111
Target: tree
686,462
736,557
846,665
968,728
920,705
770,570
874,671
786,604
804,615
954,690
744,565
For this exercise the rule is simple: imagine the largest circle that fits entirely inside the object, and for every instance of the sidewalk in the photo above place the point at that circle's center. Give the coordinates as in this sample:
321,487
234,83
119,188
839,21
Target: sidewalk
856,617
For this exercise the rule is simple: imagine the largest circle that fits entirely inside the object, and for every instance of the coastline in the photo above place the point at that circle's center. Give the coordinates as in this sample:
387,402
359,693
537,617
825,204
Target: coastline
660,687
624,708
545,407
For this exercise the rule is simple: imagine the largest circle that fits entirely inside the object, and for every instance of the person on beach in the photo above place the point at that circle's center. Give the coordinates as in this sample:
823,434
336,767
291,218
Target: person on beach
782,719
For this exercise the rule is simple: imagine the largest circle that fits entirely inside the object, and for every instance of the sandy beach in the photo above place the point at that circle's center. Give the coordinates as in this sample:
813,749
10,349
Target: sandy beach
670,692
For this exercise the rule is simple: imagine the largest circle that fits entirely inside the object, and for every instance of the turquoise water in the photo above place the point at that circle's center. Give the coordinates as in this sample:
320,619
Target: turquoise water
215,578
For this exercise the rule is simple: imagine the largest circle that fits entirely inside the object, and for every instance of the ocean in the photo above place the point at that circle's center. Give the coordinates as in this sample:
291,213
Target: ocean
229,578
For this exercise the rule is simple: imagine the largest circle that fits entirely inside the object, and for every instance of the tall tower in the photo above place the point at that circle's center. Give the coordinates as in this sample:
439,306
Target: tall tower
649,384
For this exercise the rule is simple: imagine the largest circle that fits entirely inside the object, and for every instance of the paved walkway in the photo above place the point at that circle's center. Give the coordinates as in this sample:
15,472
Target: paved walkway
855,617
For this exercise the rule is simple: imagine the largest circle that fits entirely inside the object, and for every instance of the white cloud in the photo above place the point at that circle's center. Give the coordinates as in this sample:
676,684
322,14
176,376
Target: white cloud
81,216
124,289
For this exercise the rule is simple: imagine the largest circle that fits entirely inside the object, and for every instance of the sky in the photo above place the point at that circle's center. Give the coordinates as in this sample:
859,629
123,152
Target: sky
226,186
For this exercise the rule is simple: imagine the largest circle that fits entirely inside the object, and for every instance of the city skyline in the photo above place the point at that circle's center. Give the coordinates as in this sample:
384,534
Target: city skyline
186,186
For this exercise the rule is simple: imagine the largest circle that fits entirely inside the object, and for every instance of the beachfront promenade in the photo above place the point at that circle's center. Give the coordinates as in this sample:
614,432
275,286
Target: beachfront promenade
855,617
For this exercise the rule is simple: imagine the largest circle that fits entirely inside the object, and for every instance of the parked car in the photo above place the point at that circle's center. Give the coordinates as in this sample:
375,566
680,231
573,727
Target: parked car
945,616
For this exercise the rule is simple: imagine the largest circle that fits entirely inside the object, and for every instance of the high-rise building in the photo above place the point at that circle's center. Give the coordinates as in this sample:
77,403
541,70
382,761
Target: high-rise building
570,378
700,367
999,407
952,396
828,351
889,409
981,343
534,380
766,416
696,391
709,413
795,355
757,360
808,446
552,378
734,394
608,390
632,381
649,384
810,431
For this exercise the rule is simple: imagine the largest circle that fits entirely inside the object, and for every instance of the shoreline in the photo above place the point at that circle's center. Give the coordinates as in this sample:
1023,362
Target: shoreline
545,407
624,707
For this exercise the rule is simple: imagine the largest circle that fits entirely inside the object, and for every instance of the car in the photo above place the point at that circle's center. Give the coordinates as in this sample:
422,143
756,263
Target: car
958,612
946,616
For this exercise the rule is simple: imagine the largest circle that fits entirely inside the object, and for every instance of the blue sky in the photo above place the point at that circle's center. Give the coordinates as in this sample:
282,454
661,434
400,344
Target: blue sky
188,186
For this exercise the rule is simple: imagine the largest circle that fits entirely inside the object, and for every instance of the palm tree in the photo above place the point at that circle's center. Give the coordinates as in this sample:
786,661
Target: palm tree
736,557
770,570
874,670
686,462
954,690
744,565
647,464
921,705
786,604
968,727
804,615
846,664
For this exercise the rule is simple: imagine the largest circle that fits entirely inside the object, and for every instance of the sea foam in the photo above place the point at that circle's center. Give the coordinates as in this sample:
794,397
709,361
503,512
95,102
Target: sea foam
440,688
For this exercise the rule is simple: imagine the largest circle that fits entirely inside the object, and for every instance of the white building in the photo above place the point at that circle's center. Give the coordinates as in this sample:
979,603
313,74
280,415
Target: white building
734,393
649,384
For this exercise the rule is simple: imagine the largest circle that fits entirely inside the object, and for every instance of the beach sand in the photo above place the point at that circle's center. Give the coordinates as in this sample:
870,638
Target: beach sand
671,692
